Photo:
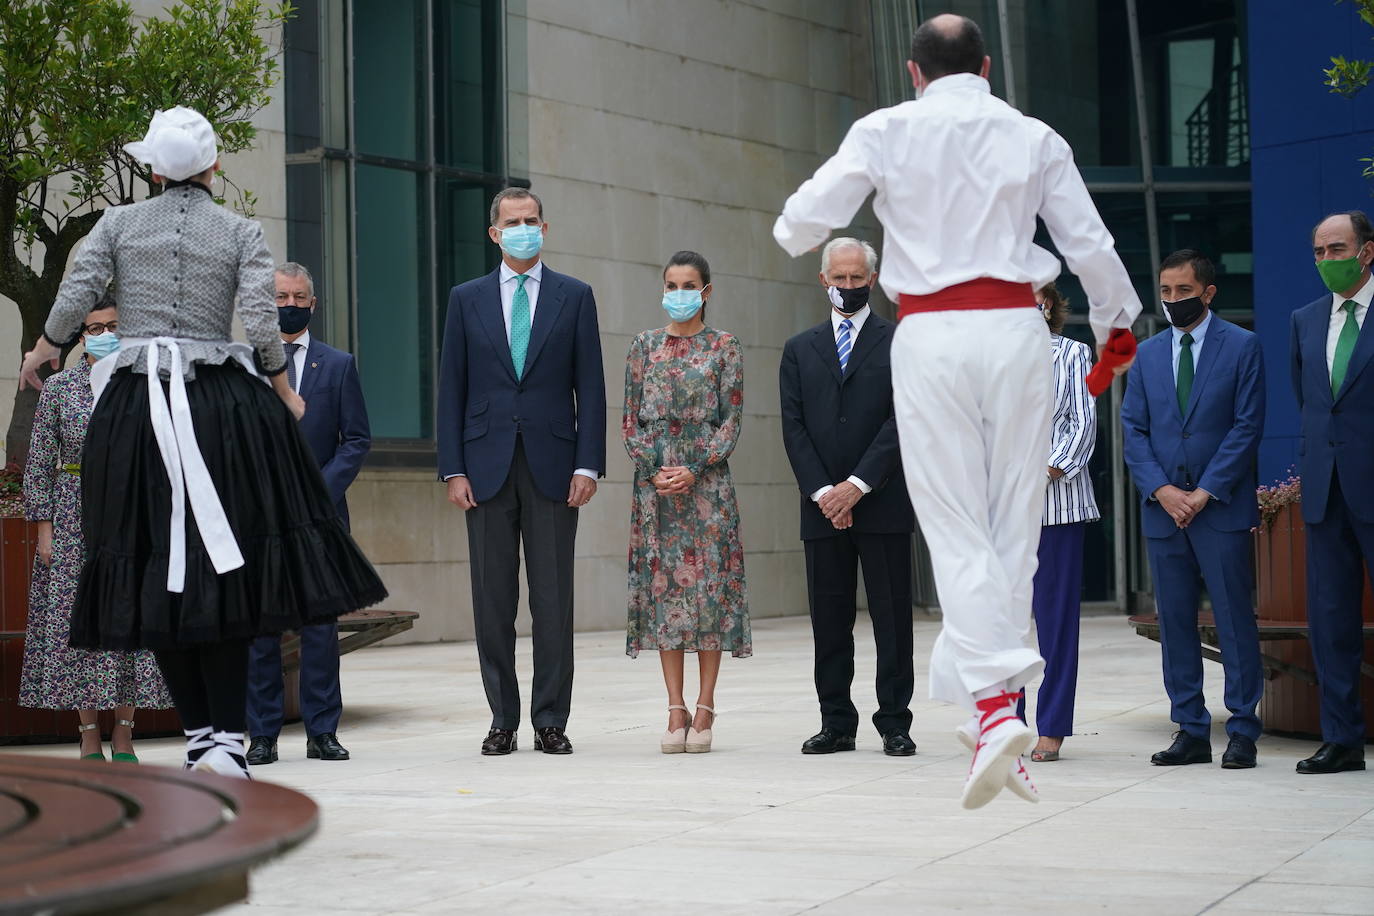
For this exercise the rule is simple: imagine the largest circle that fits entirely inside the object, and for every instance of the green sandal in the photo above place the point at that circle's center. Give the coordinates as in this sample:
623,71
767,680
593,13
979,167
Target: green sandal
124,758
98,755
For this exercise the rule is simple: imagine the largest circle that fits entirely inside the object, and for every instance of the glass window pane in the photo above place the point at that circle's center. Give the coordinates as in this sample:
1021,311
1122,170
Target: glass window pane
464,251
1077,78
304,225
395,331
1192,55
466,107
301,68
1216,223
388,77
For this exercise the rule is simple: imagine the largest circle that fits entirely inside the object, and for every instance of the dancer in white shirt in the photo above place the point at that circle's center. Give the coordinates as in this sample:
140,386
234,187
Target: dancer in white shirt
959,177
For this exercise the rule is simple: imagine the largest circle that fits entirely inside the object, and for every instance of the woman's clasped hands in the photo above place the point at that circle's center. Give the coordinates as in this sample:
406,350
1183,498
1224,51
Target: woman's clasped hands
673,481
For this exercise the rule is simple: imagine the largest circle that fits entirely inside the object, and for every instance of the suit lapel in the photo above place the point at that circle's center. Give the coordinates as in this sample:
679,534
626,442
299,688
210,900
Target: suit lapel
1159,372
493,321
823,342
1359,358
314,362
1211,351
873,331
552,296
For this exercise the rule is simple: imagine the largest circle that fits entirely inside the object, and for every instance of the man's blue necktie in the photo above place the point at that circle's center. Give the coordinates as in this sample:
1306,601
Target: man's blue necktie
843,343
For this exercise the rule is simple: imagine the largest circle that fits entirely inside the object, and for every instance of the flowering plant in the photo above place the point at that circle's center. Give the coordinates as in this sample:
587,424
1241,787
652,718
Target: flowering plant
1273,499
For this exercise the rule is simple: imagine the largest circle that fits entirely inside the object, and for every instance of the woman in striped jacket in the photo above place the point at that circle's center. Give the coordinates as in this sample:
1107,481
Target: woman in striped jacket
1069,506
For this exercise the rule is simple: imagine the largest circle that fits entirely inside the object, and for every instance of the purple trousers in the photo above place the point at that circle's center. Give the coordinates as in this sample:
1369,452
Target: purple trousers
1055,606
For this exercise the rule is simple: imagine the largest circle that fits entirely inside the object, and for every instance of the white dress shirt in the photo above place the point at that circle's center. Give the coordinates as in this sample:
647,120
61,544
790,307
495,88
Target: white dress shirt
857,319
1199,335
299,358
959,177
508,283
1361,299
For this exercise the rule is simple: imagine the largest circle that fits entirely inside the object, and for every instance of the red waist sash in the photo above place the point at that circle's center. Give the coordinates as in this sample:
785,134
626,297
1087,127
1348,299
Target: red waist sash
983,293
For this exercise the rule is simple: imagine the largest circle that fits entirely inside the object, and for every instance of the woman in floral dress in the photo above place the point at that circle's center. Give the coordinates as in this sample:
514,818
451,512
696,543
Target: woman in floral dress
56,676
684,404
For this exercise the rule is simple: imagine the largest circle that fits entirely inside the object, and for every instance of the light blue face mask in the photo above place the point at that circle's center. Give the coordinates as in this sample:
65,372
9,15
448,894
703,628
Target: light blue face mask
681,304
102,345
522,242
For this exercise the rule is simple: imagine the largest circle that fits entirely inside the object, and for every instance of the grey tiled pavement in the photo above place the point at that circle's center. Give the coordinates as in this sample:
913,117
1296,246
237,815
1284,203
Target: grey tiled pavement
418,822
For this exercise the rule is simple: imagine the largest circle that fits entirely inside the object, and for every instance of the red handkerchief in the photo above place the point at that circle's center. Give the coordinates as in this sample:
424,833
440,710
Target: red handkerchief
1119,350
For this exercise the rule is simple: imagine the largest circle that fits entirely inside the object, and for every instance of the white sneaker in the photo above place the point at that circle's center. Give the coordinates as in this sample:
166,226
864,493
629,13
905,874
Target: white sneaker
1018,779
1002,739
223,762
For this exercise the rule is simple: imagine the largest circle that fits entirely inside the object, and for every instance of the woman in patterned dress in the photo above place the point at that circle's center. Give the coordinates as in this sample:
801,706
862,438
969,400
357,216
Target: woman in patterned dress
684,405
56,676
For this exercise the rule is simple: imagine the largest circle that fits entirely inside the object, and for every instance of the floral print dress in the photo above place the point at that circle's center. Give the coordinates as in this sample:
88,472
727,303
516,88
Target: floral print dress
54,675
684,405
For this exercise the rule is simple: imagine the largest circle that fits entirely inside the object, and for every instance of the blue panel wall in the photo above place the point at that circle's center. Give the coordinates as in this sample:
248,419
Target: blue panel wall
1305,147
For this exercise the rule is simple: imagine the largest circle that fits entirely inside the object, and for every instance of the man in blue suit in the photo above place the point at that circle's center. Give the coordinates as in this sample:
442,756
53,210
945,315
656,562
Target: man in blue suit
522,441
336,428
1192,417
1331,353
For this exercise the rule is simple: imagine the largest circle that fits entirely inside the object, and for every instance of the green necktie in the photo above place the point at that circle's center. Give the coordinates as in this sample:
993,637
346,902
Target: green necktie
1345,345
1185,373
519,325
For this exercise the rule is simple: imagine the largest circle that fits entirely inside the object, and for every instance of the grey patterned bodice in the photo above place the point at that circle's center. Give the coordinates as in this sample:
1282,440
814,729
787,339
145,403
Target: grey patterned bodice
178,263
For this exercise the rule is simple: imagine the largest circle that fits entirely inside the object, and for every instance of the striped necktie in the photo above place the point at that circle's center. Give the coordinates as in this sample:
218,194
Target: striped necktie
843,344
1345,345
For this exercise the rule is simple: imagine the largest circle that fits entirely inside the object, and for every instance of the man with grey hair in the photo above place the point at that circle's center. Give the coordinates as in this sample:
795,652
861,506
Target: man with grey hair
336,428
841,438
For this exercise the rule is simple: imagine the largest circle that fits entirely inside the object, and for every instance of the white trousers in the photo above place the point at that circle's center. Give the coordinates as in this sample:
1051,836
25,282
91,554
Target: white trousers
973,393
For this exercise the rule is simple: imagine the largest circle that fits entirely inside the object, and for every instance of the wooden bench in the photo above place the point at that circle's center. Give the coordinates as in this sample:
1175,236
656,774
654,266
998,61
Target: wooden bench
363,628
84,837
1147,625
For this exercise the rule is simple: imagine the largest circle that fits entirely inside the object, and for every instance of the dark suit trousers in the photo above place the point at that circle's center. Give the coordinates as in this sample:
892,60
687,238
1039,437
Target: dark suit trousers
1339,549
832,570
548,528
321,698
1223,560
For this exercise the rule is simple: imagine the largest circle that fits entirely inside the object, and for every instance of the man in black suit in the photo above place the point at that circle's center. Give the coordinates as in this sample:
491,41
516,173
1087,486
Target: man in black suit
336,428
841,437
522,441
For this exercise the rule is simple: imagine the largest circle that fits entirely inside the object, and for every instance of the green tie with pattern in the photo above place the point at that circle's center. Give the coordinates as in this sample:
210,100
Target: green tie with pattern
1185,372
519,325
1345,345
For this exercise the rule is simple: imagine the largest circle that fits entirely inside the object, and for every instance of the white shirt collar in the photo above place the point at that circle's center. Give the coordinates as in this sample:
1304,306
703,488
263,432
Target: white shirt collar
1198,332
303,340
1362,296
956,81
535,273
857,320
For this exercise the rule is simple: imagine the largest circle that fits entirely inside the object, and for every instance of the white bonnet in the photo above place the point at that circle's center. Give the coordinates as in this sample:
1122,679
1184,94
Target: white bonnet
180,143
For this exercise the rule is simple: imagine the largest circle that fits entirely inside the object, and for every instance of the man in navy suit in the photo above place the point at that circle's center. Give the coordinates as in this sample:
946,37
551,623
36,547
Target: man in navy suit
336,428
841,437
1192,417
522,441
1331,353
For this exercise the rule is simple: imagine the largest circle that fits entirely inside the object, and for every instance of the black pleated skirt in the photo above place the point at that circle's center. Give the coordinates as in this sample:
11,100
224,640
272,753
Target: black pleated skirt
301,566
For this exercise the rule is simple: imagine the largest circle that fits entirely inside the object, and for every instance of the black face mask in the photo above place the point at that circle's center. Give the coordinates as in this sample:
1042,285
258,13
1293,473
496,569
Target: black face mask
1184,312
293,318
849,301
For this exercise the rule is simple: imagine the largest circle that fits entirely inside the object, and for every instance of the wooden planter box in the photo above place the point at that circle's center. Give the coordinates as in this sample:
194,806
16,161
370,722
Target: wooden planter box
1291,702
18,725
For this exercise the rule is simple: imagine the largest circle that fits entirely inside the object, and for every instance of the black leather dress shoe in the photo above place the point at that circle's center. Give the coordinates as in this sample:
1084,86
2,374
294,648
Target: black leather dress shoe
1240,754
1333,758
325,746
261,752
828,741
499,742
551,740
898,744
1185,749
